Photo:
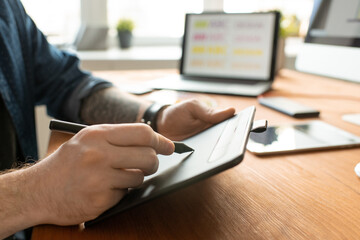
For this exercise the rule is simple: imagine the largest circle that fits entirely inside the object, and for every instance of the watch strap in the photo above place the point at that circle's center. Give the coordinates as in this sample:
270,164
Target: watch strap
151,114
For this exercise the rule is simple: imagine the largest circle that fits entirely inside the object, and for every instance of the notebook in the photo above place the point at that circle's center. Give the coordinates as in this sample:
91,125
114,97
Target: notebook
226,54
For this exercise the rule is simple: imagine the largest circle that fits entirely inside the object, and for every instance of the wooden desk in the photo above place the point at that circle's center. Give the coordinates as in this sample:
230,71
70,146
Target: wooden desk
313,195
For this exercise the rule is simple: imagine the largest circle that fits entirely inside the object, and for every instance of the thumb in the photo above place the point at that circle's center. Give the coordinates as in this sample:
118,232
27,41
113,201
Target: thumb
215,116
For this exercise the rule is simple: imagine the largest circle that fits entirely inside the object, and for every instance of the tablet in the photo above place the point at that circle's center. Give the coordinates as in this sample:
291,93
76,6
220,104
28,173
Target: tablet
216,149
306,136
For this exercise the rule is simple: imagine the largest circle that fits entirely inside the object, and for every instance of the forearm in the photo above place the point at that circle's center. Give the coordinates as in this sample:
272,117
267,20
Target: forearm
18,197
112,106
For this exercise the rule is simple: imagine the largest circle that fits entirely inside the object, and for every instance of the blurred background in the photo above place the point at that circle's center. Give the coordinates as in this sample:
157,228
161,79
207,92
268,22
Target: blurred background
157,29
156,23
155,20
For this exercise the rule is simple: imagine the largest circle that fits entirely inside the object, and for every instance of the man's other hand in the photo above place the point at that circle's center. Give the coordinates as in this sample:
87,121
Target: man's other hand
187,118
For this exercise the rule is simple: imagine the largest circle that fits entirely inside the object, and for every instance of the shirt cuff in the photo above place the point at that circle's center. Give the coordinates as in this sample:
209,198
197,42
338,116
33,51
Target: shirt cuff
85,88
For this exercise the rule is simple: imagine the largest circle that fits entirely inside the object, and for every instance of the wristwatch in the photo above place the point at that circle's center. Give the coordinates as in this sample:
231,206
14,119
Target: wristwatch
151,114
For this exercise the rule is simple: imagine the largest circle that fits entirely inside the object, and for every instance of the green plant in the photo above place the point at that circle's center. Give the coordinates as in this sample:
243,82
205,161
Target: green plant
125,25
289,26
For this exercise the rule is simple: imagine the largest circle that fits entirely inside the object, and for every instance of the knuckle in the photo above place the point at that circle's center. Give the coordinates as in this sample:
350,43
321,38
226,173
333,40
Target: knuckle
146,133
100,201
138,178
86,144
91,155
70,146
100,198
92,132
146,129
194,101
152,160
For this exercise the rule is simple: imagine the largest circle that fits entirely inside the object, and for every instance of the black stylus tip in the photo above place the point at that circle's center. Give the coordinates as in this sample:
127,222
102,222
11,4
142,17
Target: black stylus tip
182,148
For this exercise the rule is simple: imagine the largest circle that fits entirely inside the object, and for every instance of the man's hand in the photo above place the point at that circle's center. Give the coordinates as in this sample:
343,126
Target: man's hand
185,119
84,177
92,171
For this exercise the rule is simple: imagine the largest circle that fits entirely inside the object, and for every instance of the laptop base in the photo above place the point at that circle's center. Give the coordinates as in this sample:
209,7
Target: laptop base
177,82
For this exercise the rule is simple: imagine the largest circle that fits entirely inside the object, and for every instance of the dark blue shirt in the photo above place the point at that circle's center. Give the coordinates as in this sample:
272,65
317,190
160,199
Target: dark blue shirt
33,72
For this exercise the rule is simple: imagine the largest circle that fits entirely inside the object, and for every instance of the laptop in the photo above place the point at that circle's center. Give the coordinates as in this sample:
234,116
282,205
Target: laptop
226,53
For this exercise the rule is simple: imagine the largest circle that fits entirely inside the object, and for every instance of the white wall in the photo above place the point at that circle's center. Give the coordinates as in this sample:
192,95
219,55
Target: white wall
42,129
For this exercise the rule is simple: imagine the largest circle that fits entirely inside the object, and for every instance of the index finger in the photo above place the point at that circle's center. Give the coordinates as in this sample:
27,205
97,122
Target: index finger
138,134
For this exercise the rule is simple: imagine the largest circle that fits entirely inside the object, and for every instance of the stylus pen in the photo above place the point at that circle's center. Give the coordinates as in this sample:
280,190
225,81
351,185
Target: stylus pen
69,127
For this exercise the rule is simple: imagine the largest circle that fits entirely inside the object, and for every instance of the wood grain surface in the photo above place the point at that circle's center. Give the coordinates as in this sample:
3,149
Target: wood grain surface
313,195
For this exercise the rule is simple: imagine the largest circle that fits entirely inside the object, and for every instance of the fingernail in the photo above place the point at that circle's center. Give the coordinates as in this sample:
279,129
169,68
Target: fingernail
171,147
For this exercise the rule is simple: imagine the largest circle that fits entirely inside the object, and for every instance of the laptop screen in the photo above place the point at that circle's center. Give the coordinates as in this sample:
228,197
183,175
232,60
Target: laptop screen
236,46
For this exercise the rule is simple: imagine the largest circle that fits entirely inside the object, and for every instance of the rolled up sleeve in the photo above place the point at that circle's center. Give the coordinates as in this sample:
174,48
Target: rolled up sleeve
89,85
59,82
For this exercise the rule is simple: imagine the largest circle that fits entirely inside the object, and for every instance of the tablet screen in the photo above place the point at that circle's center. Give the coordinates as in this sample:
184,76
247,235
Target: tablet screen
300,137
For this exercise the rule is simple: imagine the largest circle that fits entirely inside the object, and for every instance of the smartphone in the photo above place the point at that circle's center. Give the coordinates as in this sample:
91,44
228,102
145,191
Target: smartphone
301,137
289,107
